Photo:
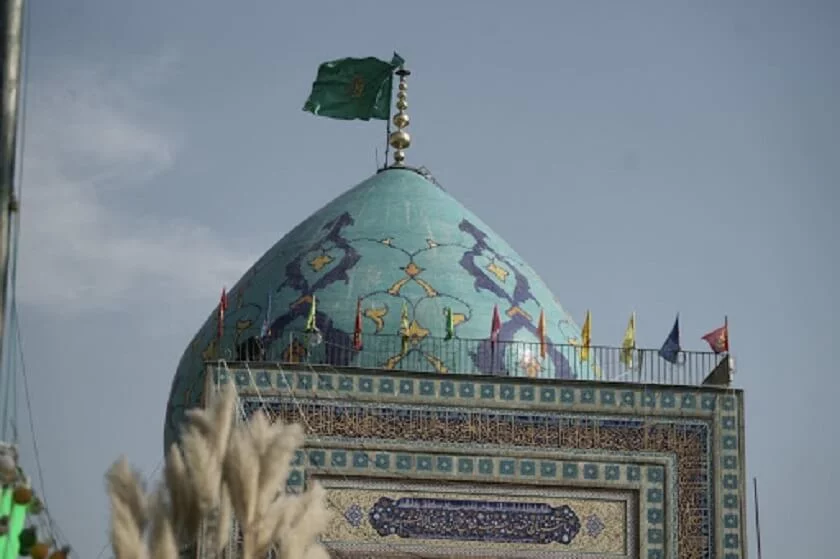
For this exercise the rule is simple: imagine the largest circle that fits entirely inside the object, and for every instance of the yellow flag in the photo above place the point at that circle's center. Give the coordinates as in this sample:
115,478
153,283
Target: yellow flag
628,345
405,327
586,337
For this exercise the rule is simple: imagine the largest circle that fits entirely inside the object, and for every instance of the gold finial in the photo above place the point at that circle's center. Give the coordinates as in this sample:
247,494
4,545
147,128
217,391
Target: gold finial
400,140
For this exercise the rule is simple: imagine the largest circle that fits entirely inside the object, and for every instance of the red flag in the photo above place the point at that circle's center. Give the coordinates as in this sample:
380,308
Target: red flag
541,333
495,327
718,339
223,304
357,331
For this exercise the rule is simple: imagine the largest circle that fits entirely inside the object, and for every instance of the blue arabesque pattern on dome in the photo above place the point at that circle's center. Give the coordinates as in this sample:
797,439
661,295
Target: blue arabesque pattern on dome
395,239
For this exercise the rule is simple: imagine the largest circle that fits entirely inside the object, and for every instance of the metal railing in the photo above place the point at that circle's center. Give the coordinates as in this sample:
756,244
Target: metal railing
480,357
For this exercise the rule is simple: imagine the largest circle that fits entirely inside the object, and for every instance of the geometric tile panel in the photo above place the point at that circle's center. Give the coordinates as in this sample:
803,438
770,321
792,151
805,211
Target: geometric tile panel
711,417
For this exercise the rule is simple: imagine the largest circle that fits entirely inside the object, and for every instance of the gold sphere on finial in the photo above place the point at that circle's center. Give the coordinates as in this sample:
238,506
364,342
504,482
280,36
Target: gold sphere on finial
400,140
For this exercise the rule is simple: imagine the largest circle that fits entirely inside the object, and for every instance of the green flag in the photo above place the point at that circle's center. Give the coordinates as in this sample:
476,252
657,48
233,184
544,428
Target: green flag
353,88
450,324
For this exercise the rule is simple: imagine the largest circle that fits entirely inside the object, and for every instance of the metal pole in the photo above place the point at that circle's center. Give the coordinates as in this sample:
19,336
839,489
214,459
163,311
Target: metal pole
12,25
757,524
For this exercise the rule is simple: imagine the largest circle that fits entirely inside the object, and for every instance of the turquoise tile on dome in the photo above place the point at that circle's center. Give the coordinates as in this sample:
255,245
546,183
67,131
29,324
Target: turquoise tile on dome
628,398
728,422
655,536
655,473
730,481
507,392
424,463
730,521
427,388
386,385
406,387
548,395
465,465
587,396
507,467
383,461
526,394
707,402
295,478
365,384
338,459
263,379
730,541
527,468
304,381
590,471
654,516
570,471
466,390
317,458
241,378
634,473
654,495
485,466
405,462
548,469
668,400
360,459
444,464
447,389
730,442
612,472
607,397
345,383
300,458
567,395
688,402
649,399
730,501
325,382
728,403
730,462
488,391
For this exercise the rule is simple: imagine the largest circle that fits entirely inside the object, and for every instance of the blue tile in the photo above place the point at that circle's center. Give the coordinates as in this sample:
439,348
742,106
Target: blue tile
317,458
485,466
548,469
407,387
567,395
325,382
654,495
283,381
488,391
299,458
634,473
731,556
587,396
730,442
466,390
507,467
548,395
628,398
728,403
304,382
730,520
383,462
465,465
360,460
386,385
730,462
424,463
655,473
345,384
241,379
689,402
507,392
427,388
590,471
447,388
527,468
444,463
728,422
654,516
295,478
730,481
730,501
707,402
607,397
365,384
612,472
655,554
655,536
263,379
338,458
730,541
649,400
570,471
668,400
404,461
526,393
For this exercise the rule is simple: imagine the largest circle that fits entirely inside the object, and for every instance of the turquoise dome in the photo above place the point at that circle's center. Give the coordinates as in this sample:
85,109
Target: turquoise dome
397,243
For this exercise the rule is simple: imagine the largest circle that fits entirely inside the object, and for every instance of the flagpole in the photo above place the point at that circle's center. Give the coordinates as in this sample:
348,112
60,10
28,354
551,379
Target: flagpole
757,524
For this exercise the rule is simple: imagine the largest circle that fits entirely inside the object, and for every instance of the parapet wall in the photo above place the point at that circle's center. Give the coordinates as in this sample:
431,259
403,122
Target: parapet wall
444,466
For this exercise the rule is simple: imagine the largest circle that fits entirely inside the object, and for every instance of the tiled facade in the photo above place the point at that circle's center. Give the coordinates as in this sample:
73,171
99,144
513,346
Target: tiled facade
677,451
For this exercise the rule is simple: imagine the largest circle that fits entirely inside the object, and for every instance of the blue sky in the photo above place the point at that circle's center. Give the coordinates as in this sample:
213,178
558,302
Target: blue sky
650,156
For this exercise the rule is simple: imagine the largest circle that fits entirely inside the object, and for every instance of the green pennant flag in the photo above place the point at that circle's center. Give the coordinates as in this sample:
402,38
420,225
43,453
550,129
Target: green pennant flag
450,324
353,88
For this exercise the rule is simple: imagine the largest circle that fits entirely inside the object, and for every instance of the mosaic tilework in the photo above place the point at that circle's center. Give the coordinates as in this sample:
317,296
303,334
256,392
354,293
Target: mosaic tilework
523,412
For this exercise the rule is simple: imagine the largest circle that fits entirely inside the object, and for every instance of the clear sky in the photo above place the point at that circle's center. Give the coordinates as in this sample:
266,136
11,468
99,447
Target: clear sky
650,156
